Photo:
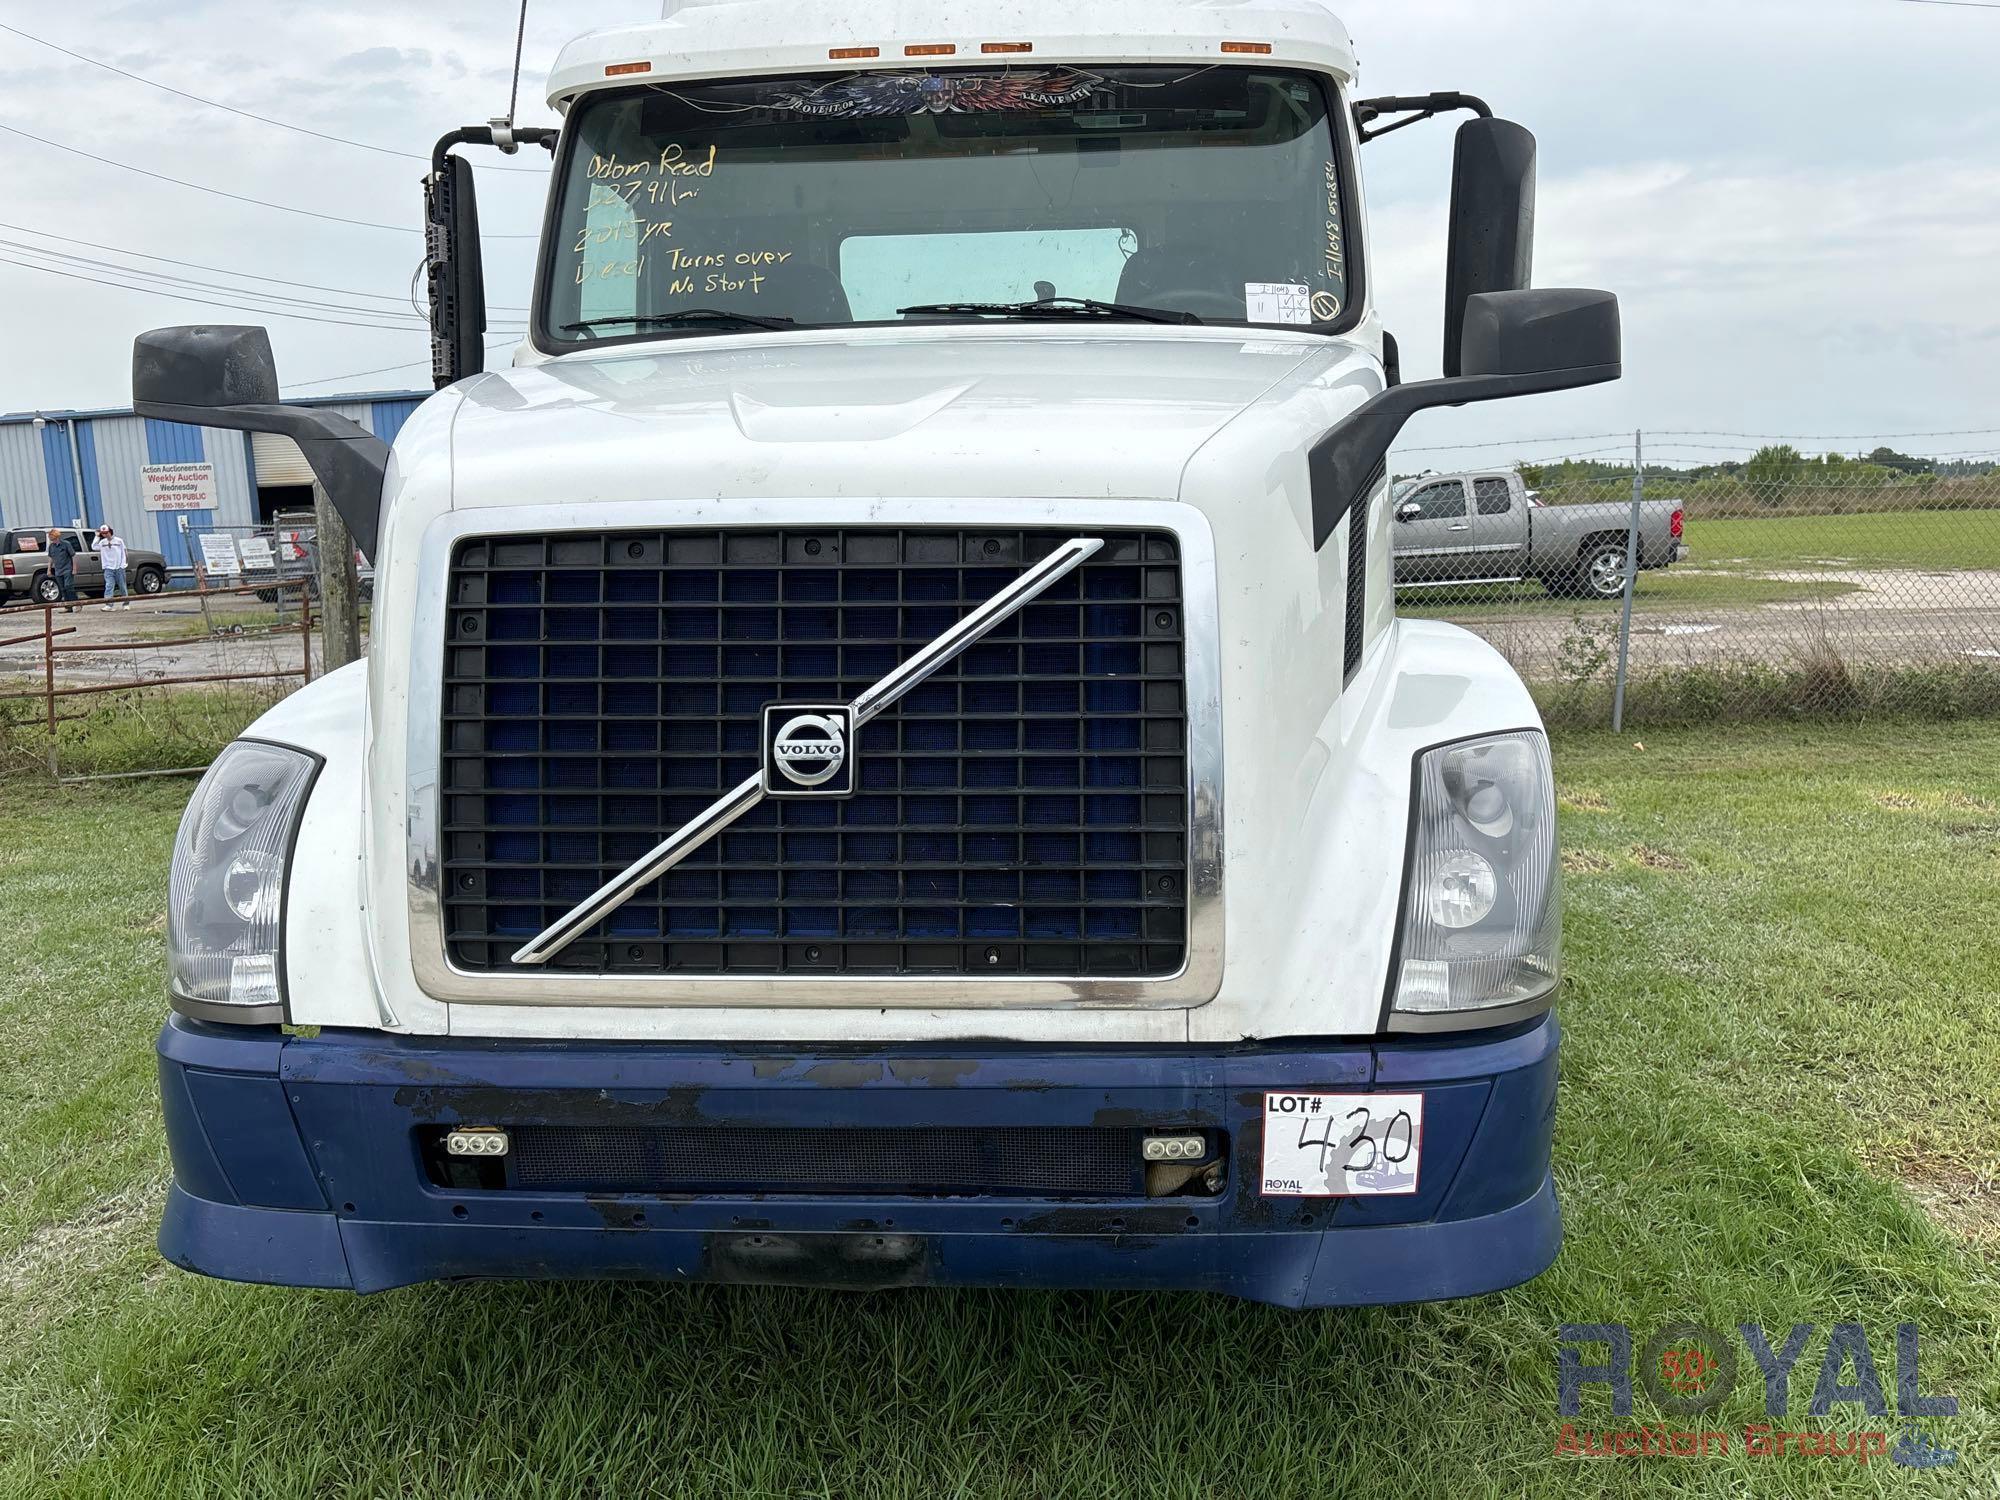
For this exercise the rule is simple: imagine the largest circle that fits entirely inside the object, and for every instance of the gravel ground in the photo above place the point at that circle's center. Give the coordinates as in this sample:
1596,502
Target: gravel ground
1891,617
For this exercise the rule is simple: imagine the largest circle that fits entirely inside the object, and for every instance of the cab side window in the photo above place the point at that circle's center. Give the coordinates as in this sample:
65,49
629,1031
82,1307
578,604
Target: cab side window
1437,502
1492,497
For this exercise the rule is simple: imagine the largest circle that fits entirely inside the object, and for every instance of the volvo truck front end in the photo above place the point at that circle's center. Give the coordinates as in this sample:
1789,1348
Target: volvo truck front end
886,755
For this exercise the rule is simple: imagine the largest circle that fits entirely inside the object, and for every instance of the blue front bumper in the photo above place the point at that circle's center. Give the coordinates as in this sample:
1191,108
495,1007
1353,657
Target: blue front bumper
297,1161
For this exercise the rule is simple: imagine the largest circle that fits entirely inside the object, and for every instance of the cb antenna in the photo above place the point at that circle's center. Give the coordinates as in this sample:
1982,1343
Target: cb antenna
503,125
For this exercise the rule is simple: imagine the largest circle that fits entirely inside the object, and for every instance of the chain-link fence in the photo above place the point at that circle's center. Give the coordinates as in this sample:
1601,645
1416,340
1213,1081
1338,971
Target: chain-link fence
1773,577
284,548
1769,579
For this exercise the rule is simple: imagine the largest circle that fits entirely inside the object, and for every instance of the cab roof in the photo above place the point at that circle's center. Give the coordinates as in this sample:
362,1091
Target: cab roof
699,39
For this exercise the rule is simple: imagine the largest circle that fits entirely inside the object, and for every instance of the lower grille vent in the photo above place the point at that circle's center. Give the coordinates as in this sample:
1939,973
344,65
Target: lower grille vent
1022,1161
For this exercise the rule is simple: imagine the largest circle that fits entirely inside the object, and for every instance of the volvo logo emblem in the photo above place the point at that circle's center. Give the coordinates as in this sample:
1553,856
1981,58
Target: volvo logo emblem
808,750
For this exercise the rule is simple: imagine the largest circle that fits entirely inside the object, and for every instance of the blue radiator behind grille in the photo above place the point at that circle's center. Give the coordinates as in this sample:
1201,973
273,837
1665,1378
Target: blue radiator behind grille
1024,812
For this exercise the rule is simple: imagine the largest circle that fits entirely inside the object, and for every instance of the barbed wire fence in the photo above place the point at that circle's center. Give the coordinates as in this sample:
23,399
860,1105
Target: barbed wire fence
1776,575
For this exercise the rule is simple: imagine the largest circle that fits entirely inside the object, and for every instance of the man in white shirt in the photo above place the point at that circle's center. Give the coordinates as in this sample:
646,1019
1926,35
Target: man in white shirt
111,557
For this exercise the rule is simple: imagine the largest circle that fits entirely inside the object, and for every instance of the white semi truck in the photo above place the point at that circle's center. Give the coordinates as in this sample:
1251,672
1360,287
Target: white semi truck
887,755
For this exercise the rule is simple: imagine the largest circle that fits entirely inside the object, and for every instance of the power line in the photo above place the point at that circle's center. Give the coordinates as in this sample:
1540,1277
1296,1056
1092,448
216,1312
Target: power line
204,188
206,286
224,193
299,385
1960,4
381,370
177,296
195,265
167,88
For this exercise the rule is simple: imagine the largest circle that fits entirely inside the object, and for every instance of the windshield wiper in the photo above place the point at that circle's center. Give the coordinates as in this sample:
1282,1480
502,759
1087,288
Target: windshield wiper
1054,307
682,316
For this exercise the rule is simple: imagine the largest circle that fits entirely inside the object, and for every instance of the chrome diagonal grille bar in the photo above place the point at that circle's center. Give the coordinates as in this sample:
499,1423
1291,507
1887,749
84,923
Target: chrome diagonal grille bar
740,800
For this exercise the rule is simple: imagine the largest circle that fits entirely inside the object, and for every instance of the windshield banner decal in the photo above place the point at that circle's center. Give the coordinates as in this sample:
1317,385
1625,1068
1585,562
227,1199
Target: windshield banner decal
941,93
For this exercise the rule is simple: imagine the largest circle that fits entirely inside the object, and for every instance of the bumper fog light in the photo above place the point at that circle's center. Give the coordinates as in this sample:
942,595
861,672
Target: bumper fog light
477,1141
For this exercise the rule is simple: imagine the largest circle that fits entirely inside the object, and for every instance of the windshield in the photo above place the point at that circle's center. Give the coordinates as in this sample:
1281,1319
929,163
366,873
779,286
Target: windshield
1216,192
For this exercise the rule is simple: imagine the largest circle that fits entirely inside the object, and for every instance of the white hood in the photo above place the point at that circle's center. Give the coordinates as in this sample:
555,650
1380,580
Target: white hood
937,413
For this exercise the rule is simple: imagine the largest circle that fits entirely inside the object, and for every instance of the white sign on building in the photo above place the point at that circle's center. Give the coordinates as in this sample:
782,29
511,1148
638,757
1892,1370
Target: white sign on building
178,486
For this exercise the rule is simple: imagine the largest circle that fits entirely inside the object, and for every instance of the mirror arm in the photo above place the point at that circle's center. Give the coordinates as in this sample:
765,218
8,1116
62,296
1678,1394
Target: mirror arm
1425,106
1346,464
483,135
348,460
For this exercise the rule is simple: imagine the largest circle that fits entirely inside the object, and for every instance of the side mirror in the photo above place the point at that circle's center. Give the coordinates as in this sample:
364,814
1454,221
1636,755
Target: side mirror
1518,343
224,376
1409,510
455,270
1492,236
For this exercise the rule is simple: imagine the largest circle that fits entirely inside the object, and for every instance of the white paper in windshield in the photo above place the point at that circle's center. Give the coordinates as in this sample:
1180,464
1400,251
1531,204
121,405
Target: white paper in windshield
1277,302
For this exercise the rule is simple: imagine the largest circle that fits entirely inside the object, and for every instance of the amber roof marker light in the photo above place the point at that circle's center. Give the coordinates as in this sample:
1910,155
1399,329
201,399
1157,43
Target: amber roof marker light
990,48
619,70
853,54
1253,49
931,49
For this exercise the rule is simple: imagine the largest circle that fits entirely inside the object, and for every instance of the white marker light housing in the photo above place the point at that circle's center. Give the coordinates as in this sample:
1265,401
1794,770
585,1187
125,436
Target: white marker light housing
1482,914
226,892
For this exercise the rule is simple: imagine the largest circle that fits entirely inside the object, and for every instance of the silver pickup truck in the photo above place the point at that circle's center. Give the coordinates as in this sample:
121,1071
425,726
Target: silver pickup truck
1487,527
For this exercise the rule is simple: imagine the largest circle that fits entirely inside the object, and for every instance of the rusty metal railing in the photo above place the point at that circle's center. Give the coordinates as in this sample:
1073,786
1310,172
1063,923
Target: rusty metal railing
53,693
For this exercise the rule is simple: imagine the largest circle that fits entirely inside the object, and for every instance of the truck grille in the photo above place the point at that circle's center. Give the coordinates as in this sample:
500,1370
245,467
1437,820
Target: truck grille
1013,1161
1025,812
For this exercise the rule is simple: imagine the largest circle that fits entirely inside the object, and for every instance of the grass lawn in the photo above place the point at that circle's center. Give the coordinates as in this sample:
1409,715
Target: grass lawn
1780,1105
1942,539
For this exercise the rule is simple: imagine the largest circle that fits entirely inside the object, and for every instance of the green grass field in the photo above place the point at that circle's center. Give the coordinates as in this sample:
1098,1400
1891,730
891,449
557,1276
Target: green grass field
1779,1104
1943,539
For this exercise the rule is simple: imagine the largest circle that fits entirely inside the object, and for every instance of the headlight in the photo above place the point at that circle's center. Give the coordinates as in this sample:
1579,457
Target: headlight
1482,912
226,893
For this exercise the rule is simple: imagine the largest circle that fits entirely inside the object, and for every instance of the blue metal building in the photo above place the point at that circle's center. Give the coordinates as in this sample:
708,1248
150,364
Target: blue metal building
82,468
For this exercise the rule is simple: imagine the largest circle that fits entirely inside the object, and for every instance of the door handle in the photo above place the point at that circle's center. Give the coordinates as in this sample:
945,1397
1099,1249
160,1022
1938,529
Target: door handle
1459,526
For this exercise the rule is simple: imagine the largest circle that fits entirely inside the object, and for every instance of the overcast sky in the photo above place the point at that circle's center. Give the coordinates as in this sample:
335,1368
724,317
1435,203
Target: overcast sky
1798,201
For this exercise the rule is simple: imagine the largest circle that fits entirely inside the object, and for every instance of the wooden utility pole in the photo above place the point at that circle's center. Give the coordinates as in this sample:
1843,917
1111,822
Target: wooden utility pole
339,589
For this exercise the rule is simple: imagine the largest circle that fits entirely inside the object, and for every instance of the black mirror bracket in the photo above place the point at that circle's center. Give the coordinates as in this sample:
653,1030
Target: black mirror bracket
1522,343
1418,107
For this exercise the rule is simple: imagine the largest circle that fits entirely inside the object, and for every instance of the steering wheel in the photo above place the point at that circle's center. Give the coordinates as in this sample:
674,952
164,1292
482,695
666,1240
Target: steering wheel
1201,301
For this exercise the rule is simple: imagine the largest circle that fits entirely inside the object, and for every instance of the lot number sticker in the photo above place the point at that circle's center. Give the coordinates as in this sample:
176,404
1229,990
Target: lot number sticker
1342,1145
